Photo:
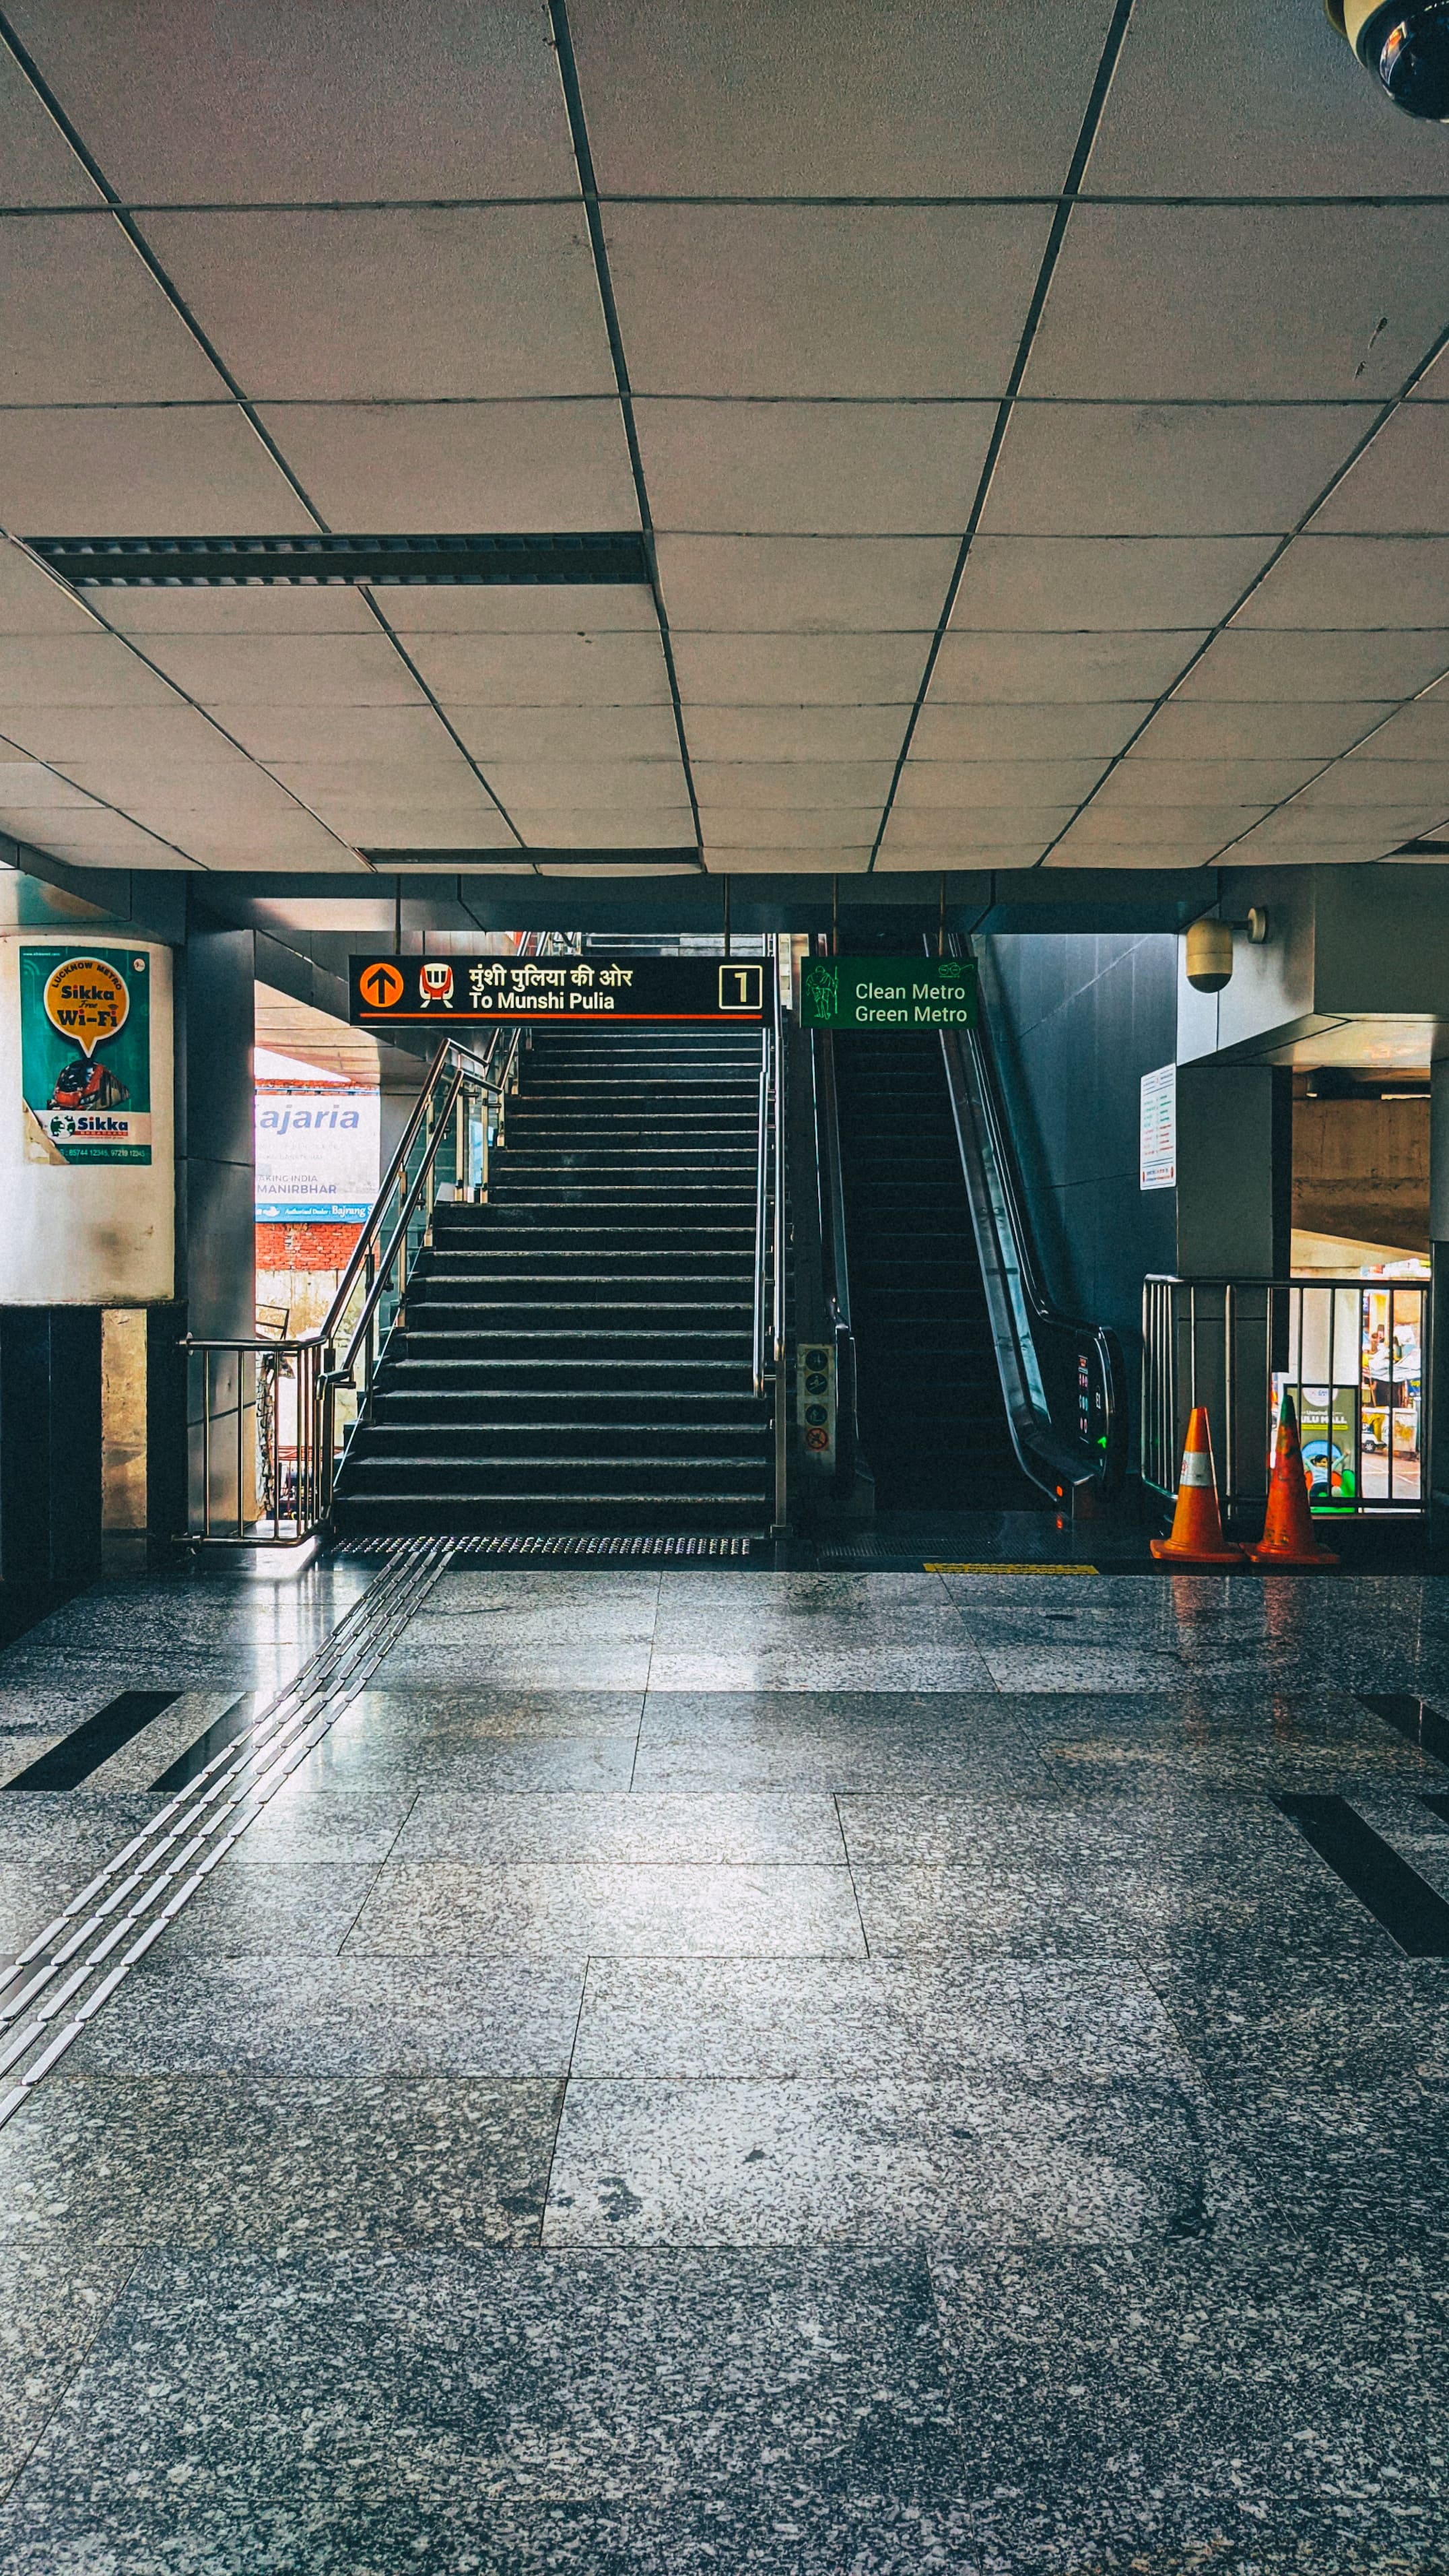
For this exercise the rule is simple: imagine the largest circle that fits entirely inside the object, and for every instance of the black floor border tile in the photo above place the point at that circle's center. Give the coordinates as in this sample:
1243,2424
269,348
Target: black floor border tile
232,1723
1437,1802
93,1742
1412,1717
1411,1911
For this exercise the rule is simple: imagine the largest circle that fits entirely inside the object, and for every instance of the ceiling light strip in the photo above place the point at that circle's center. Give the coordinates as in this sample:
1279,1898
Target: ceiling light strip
188,563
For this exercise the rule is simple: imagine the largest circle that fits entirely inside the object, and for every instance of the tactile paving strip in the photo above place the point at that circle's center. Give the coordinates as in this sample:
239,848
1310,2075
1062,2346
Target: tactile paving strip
96,1940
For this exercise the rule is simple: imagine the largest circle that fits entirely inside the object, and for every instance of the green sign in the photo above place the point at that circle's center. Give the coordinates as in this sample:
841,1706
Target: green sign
85,1054
888,993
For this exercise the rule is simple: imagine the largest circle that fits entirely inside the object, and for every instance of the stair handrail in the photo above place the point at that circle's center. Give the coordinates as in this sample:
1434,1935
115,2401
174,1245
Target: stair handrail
228,1364
1026,1326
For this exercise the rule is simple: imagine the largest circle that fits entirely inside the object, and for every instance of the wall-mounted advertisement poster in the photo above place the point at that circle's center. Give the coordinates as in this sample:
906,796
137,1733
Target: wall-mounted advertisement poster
85,1055
317,1156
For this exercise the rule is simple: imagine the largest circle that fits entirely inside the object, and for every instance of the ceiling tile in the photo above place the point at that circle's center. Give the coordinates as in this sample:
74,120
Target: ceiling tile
897,860
286,670
1302,827
822,469
121,340
744,827
573,828
512,608
1213,303
1397,487
1417,732
99,840
1165,469
598,670
1298,730
146,737
33,602
854,862
411,303
1074,853
311,608
1183,825
24,785
1278,109
1322,664
296,98
645,786
799,670
796,98
284,841
1359,581
568,733
795,733
829,585
1147,781
1420,784
806,300
1026,669
380,823
87,670
1075,585
969,783
986,827
139,471
40,167
441,776
498,467
775,784
1025,733
311,732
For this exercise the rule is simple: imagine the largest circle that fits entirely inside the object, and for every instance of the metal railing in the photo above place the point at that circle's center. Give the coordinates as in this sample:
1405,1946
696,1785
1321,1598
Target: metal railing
835,1256
767,1336
1354,1353
1063,1378
269,1422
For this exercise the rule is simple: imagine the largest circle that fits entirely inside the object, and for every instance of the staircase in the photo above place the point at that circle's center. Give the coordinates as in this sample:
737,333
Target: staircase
932,1420
575,1355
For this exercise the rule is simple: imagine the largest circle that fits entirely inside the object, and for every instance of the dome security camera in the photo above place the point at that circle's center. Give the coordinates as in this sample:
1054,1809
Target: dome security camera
1406,44
1208,958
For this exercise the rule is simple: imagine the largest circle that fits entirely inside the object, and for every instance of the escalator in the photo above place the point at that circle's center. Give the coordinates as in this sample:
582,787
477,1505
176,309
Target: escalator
963,1387
932,1417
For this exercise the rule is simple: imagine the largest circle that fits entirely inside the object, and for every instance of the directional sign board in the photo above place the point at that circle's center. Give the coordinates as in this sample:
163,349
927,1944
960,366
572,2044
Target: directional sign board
888,993
562,992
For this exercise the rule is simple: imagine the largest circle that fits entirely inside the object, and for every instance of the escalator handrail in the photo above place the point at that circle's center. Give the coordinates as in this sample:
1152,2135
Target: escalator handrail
1047,1454
835,1253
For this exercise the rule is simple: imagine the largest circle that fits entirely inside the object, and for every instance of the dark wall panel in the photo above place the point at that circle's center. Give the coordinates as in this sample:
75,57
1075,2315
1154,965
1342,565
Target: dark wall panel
50,1444
1076,1021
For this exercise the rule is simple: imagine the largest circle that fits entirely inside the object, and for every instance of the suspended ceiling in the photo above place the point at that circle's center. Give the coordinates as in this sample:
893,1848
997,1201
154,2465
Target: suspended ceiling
1034,412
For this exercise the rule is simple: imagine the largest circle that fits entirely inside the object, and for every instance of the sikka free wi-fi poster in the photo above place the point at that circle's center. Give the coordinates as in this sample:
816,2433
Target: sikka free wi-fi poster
85,1055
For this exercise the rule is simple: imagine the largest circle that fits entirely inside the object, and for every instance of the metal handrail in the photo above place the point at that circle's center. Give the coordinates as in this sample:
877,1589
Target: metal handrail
1235,1344
835,1254
230,1369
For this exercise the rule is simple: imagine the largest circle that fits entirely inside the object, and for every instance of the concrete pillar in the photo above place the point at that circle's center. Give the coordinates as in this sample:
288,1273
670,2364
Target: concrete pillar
87,1163
1226,1129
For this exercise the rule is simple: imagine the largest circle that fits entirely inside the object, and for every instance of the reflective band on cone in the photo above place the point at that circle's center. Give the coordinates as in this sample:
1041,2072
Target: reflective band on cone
1197,1529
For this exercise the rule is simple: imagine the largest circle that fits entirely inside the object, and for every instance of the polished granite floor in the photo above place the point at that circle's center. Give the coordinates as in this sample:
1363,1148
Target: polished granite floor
820,2071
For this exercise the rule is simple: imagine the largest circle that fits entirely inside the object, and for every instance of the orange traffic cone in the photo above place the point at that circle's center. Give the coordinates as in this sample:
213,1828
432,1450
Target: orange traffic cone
1288,1529
1197,1529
